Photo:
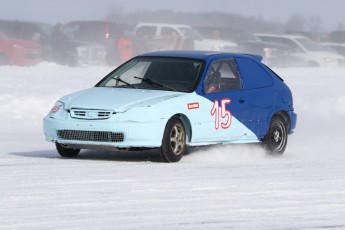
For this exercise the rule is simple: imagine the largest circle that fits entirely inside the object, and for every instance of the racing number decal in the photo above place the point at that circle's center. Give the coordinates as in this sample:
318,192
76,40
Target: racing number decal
221,112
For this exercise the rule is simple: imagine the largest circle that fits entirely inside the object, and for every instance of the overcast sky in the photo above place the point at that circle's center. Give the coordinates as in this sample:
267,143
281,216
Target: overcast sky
331,12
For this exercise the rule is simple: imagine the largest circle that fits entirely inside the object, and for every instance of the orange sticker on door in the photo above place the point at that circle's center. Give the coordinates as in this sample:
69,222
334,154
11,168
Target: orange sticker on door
193,105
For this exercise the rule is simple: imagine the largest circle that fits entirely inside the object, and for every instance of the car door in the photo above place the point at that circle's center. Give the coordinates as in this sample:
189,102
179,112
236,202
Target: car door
259,90
230,111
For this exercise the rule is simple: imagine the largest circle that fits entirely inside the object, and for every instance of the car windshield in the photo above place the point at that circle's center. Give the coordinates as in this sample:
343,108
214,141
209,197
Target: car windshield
191,33
310,45
156,73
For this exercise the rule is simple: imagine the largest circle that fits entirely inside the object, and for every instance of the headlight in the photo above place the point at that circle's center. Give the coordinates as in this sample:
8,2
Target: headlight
57,110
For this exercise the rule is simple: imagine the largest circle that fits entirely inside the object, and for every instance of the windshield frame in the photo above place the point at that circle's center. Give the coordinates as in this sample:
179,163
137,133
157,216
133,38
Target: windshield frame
129,64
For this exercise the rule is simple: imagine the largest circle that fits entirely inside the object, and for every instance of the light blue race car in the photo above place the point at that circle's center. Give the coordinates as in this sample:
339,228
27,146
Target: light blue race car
175,99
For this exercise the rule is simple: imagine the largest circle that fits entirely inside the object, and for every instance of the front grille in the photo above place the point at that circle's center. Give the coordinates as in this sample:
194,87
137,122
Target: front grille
96,136
98,54
92,55
90,114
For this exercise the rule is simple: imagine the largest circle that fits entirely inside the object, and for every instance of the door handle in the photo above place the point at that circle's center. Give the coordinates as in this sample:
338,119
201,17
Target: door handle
242,100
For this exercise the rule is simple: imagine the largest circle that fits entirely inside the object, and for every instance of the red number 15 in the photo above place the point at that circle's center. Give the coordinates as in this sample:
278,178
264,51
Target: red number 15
221,112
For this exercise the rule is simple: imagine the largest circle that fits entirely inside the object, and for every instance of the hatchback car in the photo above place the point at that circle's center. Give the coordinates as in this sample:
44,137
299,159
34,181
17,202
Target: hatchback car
161,36
175,99
117,44
15,51
305,52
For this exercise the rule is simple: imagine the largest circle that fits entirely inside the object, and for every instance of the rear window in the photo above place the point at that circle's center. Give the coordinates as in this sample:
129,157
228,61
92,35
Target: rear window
253,75
94,31
146,31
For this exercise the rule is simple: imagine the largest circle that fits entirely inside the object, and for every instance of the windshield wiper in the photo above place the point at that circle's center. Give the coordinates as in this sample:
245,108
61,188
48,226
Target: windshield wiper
126,83
153,82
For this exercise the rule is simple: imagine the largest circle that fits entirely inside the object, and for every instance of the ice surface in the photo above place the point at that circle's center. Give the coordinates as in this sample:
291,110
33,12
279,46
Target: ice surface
222,187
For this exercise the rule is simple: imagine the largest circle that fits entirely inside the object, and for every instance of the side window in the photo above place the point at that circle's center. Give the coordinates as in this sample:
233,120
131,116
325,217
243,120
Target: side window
222,75
167,31
289,43
72,31
253,75
92,32
146,31
293,46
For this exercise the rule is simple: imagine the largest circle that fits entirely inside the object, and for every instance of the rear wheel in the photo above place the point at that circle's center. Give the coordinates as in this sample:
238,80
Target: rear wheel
174,140
66,152
276,138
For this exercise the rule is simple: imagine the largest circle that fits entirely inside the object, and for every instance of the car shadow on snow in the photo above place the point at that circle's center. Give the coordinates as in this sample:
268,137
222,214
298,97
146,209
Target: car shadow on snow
153,155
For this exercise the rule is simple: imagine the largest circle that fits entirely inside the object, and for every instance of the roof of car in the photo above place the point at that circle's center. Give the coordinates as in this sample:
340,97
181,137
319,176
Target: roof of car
332,44
162,24
291,36
200,54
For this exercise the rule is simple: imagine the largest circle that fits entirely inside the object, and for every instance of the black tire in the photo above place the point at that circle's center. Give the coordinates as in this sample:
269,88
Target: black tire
174,140
66,152
276,138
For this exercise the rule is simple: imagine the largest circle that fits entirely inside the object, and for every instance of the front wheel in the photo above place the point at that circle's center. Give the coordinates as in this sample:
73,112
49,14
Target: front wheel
66,152
174,140
276,138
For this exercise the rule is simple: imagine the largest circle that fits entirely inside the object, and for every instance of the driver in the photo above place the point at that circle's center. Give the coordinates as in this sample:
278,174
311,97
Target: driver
212,81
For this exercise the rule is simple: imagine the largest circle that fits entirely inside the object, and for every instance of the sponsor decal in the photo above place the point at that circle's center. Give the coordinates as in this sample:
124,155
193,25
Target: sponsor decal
193,105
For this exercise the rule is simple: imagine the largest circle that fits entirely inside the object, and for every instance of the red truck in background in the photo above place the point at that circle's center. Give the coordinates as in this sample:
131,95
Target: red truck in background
18,51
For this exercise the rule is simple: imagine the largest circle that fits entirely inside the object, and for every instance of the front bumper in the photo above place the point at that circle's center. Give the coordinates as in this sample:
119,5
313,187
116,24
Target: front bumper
136,134
293,121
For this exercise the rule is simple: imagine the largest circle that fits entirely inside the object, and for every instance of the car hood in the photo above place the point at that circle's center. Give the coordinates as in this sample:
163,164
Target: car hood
116,99
21,42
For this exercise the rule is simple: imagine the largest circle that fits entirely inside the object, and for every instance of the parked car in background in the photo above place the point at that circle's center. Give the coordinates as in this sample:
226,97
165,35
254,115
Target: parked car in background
112,36
160,36
179,98
336,47
30,31
247,42
337,36
15,51
305,52
315,36
75,53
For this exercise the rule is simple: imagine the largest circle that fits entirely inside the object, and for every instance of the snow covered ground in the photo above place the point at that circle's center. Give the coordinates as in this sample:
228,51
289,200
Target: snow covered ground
223,187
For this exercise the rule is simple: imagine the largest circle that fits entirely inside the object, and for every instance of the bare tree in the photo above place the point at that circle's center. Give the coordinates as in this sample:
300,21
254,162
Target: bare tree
296,22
